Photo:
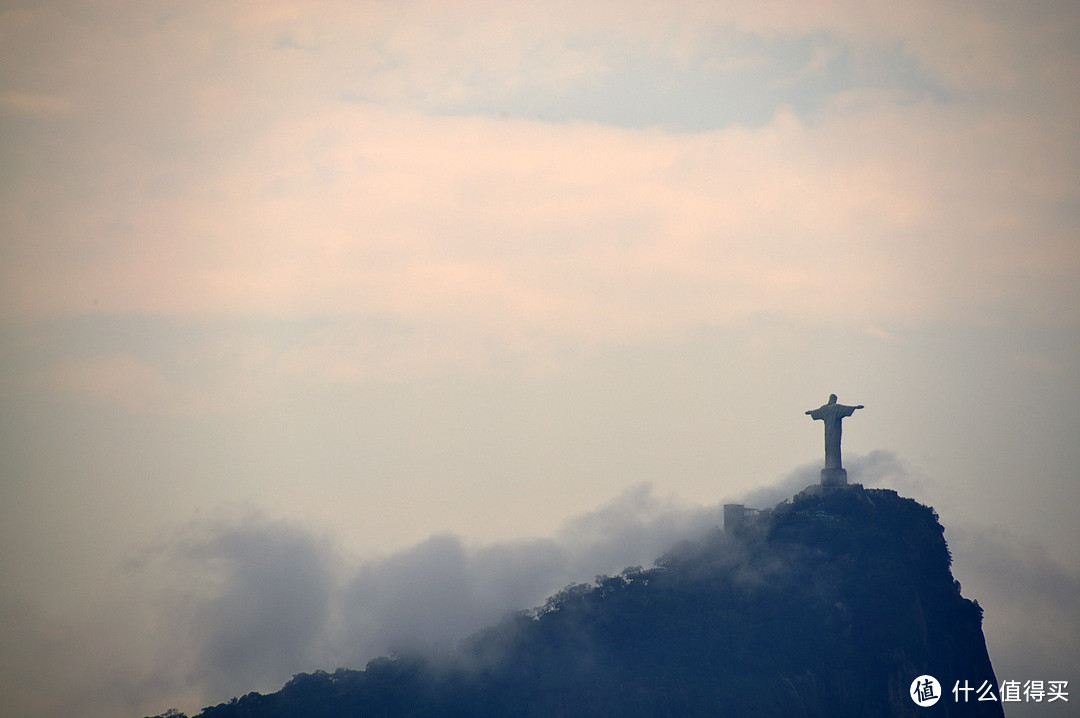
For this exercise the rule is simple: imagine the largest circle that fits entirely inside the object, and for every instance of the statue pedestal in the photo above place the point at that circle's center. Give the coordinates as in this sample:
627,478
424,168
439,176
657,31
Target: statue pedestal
815,490
834,477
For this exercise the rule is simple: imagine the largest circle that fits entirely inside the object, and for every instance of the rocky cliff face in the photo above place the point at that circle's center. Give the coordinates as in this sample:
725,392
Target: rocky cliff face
829,605
872,571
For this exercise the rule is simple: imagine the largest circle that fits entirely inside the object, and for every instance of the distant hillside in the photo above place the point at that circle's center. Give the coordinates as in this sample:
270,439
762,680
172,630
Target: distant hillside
826,606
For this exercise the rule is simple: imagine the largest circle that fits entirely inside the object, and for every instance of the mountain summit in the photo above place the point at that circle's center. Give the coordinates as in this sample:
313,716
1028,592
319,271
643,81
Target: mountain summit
831,604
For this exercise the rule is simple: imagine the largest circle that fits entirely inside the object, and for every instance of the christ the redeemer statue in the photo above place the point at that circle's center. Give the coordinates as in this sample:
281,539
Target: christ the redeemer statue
832,414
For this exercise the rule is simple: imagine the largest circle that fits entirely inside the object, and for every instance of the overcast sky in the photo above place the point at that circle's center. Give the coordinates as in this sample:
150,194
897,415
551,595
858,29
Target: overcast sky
305,304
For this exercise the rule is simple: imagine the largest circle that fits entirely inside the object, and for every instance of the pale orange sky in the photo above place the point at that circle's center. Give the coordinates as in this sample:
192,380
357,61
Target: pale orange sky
388,271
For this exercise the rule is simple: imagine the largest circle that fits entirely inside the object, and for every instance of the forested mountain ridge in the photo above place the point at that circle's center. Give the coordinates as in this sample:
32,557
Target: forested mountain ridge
829,605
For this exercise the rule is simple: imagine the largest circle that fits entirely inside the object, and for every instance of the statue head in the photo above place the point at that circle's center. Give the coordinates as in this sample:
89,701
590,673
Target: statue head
832,398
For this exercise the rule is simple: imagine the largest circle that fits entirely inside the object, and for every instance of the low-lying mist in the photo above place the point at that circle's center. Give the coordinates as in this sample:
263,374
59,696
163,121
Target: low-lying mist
234,604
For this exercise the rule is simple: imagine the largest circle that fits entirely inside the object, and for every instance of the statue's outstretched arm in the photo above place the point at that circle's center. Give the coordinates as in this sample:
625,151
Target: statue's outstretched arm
860,406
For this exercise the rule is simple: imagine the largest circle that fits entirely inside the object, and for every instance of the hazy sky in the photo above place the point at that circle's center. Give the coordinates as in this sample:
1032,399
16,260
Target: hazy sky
319,318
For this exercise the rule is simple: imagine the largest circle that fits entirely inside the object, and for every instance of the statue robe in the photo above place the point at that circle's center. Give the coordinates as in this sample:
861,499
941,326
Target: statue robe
832,415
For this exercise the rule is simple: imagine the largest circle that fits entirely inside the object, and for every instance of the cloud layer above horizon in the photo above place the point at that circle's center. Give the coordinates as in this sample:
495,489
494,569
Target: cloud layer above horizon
240,604
408,279
352,163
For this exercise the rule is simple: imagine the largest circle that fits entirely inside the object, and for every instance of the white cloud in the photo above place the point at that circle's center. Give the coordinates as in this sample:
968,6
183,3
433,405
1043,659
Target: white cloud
234,604
479,239
221,174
